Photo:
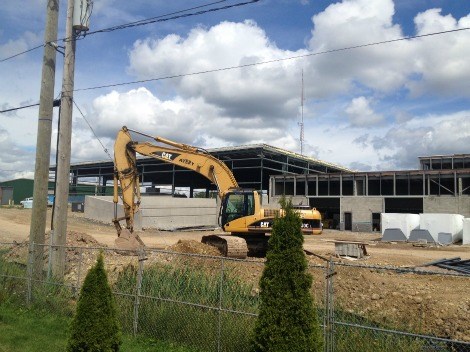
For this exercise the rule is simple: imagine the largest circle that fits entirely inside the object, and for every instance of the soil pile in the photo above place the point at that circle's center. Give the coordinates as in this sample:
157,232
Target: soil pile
193,247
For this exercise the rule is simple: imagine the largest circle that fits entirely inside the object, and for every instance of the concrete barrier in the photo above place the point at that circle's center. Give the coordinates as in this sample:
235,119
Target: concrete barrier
158,212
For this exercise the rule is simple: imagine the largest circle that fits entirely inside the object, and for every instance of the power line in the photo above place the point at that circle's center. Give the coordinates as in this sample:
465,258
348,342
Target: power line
21,53
272,61
160,18
143,22
19,108
92,130
164,18
55,103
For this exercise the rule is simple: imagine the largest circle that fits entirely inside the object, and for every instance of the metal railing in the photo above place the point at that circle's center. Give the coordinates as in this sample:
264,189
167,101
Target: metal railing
211,303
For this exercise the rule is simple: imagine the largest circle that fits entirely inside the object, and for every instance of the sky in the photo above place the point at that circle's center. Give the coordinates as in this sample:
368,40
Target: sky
373,107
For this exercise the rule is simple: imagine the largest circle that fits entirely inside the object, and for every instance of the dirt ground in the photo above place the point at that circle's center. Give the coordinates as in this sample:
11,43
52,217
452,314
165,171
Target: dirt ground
435,304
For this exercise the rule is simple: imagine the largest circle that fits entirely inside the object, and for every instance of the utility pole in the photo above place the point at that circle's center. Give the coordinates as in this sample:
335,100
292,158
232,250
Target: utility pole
43,144
63,161
301,123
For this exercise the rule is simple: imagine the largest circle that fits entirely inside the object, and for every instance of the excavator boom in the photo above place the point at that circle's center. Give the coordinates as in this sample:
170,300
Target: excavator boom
126,175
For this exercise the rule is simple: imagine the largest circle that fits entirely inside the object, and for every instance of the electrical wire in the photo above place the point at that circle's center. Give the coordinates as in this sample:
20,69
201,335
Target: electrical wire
21,53
164,18
19,108
272,61
154,18
160,18
256,63
93,131
56,102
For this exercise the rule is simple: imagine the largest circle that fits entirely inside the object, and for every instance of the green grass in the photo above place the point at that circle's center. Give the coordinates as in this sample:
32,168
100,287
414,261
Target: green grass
171,320
25,330
168,324
32,330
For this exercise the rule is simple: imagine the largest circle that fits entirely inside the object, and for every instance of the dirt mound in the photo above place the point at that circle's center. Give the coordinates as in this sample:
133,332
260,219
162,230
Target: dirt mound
79,239
81,254
19,251
193,247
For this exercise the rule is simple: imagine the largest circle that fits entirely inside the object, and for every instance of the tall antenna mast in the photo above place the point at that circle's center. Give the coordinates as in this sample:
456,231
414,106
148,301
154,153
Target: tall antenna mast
301,123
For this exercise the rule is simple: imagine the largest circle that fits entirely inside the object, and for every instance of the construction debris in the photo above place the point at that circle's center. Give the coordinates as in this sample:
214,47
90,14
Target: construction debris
462,266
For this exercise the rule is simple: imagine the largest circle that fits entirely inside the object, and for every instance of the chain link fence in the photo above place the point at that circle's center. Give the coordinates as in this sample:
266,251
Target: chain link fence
211,303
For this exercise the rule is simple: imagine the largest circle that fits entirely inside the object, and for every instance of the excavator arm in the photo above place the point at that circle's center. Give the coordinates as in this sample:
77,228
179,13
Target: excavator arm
126,175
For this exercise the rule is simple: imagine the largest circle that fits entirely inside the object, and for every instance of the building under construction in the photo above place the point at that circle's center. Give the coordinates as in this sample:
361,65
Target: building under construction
348,200
354,200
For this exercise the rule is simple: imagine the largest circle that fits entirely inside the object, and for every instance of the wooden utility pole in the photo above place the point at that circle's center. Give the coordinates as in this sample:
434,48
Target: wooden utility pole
43,144
63,161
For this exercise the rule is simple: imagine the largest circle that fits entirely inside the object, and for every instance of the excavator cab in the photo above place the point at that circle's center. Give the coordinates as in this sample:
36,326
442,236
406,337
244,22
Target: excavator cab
235,205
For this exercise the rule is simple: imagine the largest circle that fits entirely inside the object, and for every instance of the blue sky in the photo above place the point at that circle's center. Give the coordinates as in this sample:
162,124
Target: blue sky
373,108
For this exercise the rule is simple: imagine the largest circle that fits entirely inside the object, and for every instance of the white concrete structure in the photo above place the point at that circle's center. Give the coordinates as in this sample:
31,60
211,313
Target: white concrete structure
158,212
466,231
404,223
445,223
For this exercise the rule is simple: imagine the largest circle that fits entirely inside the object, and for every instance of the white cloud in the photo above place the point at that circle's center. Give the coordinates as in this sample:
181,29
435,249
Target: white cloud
442,60
26,41
15,162
260,103
351,23
264,90
432,65
421,136
191,121
361,114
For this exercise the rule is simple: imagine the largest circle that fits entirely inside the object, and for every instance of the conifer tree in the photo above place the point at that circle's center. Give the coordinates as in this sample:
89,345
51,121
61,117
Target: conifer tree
287,318
95,327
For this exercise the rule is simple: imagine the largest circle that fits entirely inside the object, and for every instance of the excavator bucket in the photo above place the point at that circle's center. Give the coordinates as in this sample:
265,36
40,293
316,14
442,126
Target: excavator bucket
128,241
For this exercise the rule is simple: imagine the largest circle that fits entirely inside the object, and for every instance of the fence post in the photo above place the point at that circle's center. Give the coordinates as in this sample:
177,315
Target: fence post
329,329
219,323
29,273
138,290
79,271
49,264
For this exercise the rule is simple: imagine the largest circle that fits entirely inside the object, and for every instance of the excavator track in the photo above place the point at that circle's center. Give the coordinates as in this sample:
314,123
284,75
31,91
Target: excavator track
229,246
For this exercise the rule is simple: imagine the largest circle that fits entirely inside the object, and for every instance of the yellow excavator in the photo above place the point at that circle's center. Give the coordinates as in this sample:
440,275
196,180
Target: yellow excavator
240,213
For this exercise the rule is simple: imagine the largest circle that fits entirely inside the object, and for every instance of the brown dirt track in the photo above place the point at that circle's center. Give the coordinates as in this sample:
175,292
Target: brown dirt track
429,304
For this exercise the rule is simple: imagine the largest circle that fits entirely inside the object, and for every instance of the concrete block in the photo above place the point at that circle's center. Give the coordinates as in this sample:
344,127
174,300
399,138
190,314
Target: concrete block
444,238
421,235
393,235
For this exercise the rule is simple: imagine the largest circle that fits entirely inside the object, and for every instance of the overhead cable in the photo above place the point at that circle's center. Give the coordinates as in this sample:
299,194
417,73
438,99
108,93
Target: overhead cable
174,15
19,108
21,53
160,18
271,61
93,131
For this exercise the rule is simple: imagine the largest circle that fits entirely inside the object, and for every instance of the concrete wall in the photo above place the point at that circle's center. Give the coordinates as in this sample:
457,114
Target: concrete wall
447,205
101,209
361,209
159,212
168,213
